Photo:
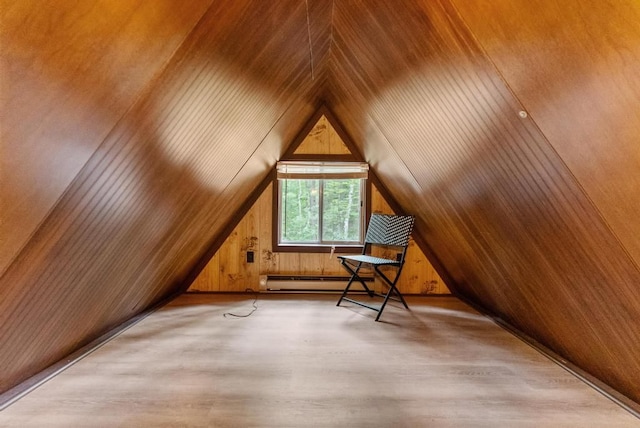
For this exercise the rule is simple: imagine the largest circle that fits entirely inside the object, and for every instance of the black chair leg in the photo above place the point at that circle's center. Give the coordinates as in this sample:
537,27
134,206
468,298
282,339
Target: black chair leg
392,285
354,276
386,299
346,289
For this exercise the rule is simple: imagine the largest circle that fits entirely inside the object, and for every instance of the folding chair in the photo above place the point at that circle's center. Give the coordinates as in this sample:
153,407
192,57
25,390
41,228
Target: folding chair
387,231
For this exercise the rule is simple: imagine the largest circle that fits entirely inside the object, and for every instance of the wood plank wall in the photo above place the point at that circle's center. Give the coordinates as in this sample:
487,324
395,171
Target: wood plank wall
576,67
69,72
156,185
322,139
228,269
137,129
499,196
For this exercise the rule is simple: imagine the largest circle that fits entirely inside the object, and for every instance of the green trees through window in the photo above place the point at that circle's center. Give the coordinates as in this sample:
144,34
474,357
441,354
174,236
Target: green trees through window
321,211
341,210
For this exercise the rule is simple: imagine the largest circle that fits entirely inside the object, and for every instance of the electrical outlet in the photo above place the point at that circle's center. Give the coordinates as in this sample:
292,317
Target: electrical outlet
249,256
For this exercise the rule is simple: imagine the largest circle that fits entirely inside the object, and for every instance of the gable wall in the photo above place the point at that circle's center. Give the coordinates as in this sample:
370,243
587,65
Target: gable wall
228,269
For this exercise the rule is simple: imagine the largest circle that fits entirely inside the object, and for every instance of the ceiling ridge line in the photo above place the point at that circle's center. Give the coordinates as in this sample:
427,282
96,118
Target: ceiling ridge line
331,27
306,2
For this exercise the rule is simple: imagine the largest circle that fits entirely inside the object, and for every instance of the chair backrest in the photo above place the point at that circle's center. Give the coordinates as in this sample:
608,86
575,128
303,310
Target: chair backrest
386,229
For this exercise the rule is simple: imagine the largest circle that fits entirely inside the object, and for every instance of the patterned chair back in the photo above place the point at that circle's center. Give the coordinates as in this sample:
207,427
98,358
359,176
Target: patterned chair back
386,229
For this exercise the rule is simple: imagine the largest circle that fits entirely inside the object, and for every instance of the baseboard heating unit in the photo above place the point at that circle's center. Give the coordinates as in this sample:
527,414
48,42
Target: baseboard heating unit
305,283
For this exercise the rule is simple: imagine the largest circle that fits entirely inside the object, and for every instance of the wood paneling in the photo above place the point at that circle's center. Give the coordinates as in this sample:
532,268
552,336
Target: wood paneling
496,201
228,269
133,131
168,176
575,67
69,71
324,139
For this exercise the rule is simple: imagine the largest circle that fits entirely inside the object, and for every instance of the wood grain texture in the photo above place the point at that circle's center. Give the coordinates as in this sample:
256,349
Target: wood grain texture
69,71
228,269
302,361
165,180
133,131
575,67
497,202
322,139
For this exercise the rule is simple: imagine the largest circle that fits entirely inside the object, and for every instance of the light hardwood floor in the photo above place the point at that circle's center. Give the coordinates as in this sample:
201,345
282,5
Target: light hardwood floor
301,361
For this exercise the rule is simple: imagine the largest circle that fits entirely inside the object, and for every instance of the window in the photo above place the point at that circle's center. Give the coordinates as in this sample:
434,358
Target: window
321,204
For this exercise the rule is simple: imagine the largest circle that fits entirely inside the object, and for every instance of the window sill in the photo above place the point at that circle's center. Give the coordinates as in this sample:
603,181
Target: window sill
339,249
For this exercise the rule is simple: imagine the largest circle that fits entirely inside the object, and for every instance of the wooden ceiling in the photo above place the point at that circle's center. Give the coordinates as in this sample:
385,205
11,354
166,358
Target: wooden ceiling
133,132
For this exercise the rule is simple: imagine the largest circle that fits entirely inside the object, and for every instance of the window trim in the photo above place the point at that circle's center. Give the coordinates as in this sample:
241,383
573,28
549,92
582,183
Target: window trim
314,248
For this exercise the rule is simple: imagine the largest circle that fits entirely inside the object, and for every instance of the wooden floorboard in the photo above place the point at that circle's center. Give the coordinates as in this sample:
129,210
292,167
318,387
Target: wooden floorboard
301,361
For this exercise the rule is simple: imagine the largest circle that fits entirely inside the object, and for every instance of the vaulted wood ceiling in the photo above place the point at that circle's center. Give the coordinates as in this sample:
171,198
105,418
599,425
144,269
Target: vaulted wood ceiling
134,131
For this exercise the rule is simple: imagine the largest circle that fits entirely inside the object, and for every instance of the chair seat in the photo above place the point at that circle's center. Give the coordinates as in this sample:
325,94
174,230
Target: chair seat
370,260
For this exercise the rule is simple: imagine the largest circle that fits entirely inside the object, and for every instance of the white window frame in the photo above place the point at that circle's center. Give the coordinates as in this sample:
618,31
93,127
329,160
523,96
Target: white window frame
310,170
